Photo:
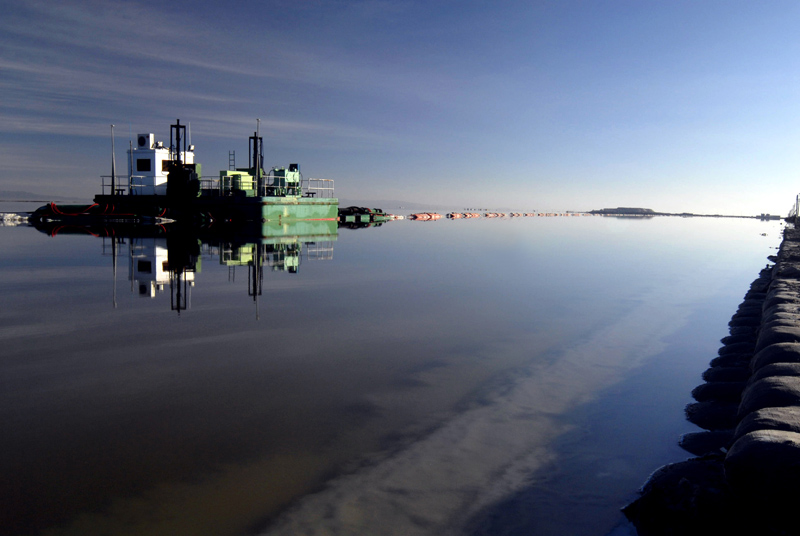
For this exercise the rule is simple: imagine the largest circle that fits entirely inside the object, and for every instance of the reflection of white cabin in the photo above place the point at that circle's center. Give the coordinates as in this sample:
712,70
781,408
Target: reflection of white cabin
150,266
147,165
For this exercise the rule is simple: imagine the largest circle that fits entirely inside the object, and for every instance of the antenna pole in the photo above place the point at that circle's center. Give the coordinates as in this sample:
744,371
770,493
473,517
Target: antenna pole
257,150
113,164
178,141
130,166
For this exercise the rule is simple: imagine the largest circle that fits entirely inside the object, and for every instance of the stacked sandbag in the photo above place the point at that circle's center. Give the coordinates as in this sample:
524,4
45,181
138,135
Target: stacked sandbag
746,476
693,496
717,406
764,459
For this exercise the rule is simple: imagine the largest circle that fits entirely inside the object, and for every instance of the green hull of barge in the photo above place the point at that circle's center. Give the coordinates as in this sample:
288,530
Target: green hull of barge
304,208
255,209
271,209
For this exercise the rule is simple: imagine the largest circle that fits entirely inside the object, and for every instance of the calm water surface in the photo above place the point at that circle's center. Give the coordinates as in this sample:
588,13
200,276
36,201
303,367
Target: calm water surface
517,376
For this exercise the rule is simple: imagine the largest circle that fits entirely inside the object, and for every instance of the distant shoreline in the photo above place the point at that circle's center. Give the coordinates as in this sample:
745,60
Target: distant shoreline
646,212
25,200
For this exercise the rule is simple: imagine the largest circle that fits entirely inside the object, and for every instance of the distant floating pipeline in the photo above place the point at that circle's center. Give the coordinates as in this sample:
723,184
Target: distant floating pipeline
432,216
425,216
745,478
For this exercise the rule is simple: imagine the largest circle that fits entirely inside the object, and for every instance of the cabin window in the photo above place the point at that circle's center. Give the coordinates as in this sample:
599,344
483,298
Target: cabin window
144,267
143,164
165,165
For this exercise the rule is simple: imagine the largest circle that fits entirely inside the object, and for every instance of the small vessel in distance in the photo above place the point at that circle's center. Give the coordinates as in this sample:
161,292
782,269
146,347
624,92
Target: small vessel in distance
166,182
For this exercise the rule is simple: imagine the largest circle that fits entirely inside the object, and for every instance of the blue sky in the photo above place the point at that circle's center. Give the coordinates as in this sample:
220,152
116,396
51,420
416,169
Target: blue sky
547,105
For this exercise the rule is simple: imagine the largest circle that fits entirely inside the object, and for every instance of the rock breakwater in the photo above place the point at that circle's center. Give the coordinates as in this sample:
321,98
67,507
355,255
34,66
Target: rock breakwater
746,473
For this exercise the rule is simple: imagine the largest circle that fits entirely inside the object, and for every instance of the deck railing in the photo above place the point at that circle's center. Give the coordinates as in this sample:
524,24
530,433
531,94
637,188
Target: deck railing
319,188
133,185
137,185
118,186
124,185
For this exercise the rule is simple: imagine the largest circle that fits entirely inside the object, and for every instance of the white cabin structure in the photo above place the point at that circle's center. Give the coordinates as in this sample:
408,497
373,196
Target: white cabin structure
148,163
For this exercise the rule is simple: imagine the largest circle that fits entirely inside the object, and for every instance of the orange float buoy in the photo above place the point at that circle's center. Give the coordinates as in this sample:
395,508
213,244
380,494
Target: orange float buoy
424,216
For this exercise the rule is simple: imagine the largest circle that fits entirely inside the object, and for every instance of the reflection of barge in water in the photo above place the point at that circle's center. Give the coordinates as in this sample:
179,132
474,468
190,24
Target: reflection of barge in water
166,183
169,256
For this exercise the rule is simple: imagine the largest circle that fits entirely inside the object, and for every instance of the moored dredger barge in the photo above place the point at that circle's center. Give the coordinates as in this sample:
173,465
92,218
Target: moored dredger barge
164,182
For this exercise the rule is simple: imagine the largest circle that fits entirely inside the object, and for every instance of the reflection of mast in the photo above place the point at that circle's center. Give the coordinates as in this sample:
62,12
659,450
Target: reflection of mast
115,247
182,256
178,291
255,280
114,266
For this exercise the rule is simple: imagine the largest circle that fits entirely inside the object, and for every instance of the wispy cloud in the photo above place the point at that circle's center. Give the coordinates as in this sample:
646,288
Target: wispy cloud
70,69
123,31
126,52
